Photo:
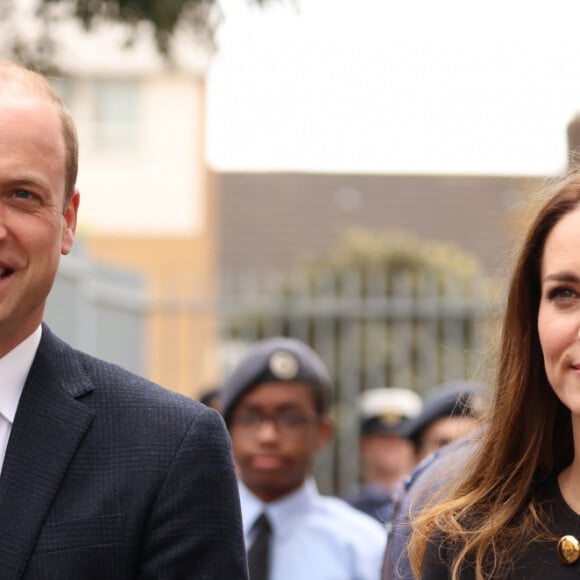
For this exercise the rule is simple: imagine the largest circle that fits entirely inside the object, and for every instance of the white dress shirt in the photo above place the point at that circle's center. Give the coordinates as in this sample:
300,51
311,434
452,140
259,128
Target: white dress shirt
317,537
14,368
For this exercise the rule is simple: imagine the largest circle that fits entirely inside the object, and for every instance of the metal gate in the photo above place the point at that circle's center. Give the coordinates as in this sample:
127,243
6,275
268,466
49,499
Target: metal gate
372,330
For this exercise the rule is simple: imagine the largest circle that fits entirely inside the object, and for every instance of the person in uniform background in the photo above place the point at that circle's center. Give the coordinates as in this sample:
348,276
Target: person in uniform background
433,473
386,457
445,433
450,412
276,405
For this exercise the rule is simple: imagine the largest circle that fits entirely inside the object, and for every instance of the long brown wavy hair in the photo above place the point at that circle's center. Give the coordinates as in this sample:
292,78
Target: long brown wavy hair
495,510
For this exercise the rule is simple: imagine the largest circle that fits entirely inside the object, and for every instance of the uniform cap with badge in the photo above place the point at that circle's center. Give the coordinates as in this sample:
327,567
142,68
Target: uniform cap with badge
277,359
386,409
459,398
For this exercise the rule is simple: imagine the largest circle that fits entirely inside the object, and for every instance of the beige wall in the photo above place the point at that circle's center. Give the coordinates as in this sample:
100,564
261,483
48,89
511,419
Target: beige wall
181,326
156,216
155,185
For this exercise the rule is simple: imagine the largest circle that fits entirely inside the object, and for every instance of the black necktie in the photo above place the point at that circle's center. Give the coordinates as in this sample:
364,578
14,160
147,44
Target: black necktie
259,552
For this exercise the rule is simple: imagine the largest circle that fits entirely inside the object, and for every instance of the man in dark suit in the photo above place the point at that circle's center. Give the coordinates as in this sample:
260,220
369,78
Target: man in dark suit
103,474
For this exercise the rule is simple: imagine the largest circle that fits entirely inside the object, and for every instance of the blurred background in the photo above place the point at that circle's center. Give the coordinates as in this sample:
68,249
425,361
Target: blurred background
352,174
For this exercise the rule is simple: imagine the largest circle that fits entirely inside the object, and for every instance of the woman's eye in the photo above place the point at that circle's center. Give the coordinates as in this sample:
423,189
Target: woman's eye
561,294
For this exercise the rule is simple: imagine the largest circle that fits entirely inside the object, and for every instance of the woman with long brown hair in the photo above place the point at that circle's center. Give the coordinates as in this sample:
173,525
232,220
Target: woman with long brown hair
514,513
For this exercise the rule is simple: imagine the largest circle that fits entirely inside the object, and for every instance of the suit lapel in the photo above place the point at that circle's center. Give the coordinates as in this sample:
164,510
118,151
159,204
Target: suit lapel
48,427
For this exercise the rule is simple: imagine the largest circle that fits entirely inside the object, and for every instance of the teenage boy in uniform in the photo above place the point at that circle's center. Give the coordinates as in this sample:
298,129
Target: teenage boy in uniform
276,405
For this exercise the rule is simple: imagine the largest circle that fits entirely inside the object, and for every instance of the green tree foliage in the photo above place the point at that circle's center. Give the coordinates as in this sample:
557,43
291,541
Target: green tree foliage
396,251
392,307
163,17
366,264
396,255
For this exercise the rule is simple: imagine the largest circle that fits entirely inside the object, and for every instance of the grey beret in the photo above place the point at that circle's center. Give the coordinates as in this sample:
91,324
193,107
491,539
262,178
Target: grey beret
277,359
456,398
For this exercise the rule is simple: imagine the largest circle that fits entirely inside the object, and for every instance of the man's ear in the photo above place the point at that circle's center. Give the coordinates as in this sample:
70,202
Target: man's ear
325,431
70,223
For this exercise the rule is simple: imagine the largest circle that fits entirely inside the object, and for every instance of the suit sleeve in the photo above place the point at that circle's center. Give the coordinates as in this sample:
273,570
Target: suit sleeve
195,530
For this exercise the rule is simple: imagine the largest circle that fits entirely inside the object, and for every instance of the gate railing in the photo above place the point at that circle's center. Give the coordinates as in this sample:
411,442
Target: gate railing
371,330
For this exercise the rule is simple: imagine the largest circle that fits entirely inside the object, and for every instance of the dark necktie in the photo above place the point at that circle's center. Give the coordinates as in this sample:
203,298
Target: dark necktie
259,552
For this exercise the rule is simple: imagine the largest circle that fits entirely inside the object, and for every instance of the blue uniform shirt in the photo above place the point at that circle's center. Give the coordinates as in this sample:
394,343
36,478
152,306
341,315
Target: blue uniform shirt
317,537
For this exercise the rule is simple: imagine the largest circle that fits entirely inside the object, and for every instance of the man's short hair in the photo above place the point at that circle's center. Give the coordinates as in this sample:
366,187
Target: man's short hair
17,79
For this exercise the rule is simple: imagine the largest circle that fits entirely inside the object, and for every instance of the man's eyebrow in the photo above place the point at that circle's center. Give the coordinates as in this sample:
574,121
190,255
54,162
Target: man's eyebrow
26,181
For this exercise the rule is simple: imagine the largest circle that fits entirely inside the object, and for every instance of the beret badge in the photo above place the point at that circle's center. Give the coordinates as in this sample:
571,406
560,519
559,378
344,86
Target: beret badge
284,365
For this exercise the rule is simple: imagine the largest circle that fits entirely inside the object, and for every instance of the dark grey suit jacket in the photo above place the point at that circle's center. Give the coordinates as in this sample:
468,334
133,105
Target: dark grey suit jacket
108,477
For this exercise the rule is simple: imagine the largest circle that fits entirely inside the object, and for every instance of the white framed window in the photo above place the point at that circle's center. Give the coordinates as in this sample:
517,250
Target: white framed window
116,114
107,111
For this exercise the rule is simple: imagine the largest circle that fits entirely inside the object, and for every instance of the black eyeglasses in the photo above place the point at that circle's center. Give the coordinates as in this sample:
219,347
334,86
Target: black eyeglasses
289,423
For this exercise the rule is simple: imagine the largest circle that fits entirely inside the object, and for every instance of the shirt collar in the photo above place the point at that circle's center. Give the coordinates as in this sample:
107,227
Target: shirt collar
14,368
283,512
